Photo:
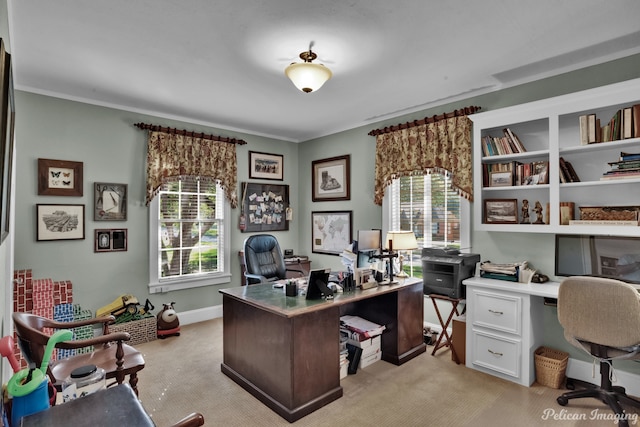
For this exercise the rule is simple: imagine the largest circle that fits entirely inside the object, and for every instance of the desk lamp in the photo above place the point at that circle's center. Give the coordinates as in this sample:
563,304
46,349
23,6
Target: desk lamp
400,241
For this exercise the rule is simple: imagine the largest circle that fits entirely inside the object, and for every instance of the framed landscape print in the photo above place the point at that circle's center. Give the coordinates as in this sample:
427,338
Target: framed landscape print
331,232
59,178
330,179
266,166
109,202
501,211
110,240
59,222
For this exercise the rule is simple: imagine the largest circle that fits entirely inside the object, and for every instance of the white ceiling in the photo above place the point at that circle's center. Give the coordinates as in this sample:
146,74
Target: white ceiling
221,63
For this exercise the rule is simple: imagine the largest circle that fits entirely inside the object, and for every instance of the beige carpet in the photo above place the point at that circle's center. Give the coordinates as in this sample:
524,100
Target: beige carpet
182,375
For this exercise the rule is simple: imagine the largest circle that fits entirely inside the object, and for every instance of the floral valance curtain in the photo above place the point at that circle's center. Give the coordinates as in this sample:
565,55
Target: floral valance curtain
443,146
171,156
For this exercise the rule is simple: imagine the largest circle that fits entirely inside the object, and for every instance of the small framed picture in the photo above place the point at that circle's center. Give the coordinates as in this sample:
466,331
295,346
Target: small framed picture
59,222
109,202
59,178
501,179
110,240
266,166
330,179
501,211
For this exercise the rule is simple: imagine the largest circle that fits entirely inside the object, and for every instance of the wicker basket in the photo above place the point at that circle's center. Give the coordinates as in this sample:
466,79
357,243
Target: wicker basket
143,330
551,366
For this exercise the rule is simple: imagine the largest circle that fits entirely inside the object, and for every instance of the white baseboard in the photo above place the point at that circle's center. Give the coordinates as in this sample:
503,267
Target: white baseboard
200,315
584,371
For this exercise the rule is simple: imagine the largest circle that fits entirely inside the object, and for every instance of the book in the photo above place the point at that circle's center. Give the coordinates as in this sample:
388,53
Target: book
584,130
591,129
572,172
516,140
627,123
620,176
628,156
635,112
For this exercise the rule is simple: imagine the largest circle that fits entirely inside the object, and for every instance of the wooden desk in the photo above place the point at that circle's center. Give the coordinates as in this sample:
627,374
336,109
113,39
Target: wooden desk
285,350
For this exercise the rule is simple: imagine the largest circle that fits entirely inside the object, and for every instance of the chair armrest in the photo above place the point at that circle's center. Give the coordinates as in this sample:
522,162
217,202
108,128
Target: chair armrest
253,279
104,320
100,339
192,420
297,271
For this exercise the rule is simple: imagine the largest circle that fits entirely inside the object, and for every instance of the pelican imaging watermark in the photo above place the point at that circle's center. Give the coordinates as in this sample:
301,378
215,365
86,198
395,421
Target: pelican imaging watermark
594,415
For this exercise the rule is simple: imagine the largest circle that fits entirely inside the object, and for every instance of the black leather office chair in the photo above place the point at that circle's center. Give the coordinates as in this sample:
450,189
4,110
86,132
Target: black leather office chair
263,260
602,317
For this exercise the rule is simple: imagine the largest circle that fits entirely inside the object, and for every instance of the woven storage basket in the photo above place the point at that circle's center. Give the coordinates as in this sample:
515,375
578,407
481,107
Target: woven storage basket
551,366
143,330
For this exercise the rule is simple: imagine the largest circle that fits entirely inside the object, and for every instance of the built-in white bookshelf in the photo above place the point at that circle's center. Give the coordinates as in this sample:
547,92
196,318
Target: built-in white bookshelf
549,129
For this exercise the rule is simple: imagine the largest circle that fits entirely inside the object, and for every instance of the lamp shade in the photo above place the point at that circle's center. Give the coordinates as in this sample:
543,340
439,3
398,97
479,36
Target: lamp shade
401,240
308,77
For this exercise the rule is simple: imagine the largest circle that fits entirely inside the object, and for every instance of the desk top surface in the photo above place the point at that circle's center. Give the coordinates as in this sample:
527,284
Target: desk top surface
274,300
548,289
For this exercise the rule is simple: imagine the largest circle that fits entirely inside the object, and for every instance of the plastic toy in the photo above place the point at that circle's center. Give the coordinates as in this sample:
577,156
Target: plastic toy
168,323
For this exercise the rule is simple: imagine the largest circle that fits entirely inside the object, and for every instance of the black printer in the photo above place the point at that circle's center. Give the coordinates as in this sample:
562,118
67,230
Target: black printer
444,269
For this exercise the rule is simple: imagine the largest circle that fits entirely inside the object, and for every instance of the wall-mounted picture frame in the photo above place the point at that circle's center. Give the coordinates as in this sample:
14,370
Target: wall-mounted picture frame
264,207
59,178
266,166
330,179
59,222
7,119
331,231
501,179
110,240
501,211
109,202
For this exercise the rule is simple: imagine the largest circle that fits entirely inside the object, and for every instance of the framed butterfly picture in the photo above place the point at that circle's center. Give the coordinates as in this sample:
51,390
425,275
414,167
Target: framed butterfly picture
59,178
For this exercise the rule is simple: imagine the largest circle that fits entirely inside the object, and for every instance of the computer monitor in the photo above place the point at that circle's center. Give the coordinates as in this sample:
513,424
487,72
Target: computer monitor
369,240
317,284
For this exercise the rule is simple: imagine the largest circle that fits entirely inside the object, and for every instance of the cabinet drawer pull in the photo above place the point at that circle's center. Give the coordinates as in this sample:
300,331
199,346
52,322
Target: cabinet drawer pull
496,312
495,353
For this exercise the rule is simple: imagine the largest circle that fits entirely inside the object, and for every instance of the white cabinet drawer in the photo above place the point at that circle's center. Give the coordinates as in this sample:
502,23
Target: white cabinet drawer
497,353
497,311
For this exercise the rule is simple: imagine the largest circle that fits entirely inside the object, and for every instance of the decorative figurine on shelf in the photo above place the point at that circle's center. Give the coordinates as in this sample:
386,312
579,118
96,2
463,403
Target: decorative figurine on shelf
538,210
168,323
525,212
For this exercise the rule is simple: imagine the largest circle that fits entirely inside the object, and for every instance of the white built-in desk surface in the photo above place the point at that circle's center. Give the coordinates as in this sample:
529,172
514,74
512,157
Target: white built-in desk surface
547,289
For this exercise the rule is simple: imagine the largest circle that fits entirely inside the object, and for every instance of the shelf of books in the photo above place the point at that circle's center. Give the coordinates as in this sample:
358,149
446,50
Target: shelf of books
534,160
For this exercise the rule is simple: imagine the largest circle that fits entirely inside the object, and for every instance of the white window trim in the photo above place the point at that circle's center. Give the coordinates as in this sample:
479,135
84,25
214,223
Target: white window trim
465,219
161,285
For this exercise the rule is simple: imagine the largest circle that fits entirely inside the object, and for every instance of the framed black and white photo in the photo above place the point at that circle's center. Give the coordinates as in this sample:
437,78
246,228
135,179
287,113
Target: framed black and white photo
266,166
7,119
501,211
110,240
109,202
330,179
331,231
59,222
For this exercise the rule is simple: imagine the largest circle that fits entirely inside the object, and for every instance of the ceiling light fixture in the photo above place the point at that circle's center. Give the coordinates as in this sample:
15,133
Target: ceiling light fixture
306,76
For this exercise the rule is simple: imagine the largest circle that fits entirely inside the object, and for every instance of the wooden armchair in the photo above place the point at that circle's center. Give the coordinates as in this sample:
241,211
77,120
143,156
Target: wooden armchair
110,353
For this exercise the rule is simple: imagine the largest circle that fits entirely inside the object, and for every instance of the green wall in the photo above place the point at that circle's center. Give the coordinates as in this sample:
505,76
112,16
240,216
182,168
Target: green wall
113,150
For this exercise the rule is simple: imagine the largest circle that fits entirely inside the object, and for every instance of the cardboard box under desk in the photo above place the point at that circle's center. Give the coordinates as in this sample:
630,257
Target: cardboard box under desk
458,337
365,343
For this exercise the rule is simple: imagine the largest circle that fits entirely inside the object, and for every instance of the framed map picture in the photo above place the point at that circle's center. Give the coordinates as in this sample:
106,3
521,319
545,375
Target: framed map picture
331,232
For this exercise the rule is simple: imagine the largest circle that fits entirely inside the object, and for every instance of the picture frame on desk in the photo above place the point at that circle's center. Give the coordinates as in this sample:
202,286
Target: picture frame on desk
501,211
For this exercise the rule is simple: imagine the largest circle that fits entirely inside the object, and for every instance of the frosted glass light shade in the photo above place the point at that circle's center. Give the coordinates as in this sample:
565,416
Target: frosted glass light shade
308,77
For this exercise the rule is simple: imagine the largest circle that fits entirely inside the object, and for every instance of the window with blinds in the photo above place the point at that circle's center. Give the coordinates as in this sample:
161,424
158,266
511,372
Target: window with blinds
190,230
428,206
